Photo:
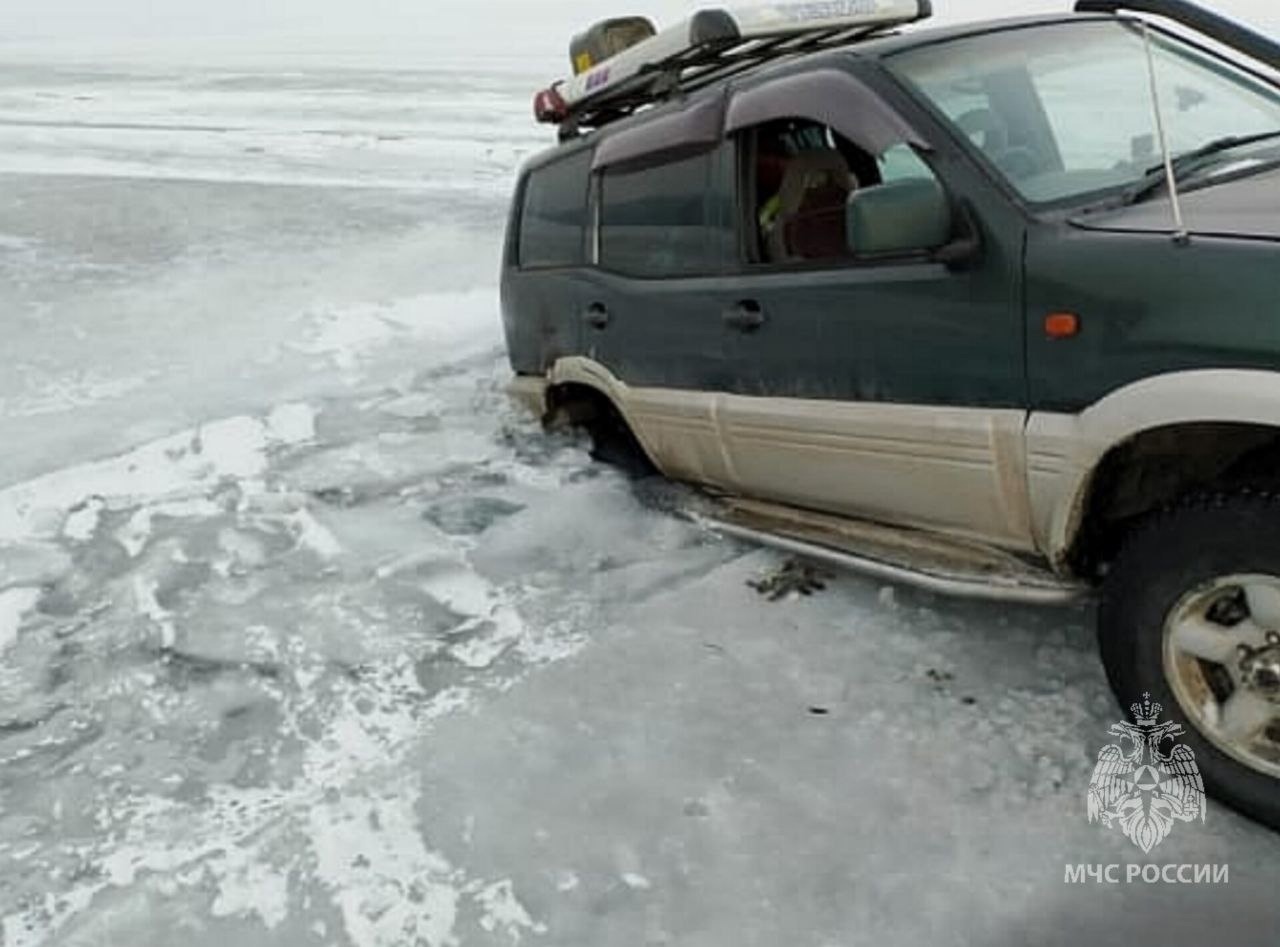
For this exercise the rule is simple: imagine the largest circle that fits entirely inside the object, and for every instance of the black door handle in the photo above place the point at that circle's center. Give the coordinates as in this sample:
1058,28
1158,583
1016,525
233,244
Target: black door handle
746,316
597,316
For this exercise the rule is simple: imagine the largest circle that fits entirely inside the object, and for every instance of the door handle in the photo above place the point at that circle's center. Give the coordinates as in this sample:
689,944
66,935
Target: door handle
597,316
746,316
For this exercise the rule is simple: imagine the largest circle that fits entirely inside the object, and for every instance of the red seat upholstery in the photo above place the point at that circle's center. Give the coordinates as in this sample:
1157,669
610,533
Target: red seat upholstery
815,190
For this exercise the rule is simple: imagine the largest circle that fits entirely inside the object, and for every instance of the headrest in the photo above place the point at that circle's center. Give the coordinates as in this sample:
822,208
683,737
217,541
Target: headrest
812,169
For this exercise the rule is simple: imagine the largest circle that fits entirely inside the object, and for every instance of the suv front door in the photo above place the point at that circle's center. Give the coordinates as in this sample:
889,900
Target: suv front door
891,389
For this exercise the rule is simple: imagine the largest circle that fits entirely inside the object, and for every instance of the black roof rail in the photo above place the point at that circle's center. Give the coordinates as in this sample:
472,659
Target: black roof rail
688,73
1202,20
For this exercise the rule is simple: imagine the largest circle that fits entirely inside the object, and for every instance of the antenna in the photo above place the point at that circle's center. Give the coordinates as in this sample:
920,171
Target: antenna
1180,234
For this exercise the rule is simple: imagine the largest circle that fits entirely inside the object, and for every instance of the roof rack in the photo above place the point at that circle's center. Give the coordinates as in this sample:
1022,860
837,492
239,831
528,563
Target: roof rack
709,47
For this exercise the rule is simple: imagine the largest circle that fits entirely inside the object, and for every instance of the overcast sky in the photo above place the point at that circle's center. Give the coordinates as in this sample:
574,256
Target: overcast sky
537,27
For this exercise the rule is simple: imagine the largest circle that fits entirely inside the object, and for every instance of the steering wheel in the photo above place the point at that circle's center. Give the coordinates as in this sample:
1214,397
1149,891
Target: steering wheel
986,129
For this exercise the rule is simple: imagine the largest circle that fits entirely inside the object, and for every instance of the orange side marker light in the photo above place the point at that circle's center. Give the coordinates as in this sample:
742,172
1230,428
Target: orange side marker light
1061,325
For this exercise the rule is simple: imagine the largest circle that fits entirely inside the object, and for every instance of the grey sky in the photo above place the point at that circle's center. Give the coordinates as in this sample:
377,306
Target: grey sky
527,24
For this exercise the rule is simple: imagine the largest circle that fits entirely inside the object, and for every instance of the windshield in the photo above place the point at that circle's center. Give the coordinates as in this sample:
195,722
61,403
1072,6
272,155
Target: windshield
1065,110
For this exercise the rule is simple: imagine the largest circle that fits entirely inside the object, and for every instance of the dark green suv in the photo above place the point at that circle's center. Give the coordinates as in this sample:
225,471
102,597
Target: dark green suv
992,309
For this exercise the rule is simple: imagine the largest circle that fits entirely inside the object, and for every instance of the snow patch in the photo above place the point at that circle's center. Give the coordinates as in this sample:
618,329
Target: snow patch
413,407
314,535
492,625
32,564
83,520
636,882
137,532
144,595
292,424
63,394
12,243
447,325
15,605
502,909
15,931
389,888
253,889
179,467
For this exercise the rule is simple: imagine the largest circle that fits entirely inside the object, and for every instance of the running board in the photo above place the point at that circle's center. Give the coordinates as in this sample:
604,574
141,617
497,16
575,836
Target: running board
940,564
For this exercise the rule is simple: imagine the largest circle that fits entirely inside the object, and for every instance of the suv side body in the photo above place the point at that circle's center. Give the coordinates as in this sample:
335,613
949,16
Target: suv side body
886,351
907,388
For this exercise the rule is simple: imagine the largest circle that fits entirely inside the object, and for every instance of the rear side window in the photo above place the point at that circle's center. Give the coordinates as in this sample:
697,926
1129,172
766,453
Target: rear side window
553,220
661,221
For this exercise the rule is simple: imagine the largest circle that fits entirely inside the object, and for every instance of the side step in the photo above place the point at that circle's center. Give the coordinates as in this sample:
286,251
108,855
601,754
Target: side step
939,564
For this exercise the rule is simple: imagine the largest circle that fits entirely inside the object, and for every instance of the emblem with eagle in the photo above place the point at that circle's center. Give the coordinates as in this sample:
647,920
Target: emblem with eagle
1146,782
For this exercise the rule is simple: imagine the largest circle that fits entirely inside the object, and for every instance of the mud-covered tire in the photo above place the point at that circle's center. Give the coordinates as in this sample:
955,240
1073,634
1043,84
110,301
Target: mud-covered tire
1166,558
613,443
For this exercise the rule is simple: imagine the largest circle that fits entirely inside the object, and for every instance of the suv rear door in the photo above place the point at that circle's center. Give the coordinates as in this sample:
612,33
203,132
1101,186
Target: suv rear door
546,261
663,239
665,232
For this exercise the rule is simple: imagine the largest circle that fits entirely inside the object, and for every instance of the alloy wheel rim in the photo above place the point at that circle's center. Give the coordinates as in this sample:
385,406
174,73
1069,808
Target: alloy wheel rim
1222,662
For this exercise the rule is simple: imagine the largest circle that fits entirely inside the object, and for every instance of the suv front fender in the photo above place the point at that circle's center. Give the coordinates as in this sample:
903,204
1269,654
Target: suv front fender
1066,451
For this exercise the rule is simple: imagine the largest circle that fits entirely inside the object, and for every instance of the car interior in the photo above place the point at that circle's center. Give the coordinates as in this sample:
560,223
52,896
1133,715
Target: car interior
805,174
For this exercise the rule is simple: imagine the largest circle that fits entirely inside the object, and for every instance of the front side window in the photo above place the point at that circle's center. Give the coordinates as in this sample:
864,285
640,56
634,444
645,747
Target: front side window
808,182
553,218
661,221
1066,110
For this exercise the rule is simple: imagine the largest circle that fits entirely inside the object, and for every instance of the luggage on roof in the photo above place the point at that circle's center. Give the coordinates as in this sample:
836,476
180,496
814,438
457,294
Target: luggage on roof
606,39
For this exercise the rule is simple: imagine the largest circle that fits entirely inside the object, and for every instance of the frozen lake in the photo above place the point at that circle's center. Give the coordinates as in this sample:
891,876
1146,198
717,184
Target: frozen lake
307,636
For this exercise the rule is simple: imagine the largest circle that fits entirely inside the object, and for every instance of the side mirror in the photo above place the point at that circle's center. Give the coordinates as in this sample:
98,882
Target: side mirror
906,216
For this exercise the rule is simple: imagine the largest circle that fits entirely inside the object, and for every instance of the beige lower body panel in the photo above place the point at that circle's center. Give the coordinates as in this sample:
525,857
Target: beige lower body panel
530,392
1060,458
682,434
954,470
960,471
1001,477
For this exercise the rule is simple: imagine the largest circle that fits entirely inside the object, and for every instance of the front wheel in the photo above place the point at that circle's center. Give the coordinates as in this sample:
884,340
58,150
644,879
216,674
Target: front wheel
1191,615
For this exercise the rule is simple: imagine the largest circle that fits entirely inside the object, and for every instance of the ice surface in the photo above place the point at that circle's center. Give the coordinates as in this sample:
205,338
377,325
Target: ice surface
372,252
308,636
280,647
